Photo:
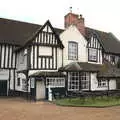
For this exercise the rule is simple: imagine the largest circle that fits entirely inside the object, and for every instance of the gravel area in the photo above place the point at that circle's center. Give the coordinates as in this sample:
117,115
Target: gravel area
19,109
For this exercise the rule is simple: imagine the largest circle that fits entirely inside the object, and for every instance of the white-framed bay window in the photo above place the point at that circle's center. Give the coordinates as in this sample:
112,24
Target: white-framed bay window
85,80
92,54
73,81
72,50
55,82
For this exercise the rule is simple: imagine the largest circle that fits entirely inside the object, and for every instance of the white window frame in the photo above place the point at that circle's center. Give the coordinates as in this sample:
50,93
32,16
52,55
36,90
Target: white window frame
85,79
92,55
72,50
73,81
55,82
102,83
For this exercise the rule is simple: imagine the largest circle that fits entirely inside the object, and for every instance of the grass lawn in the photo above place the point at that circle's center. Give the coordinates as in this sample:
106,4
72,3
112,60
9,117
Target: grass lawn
89,102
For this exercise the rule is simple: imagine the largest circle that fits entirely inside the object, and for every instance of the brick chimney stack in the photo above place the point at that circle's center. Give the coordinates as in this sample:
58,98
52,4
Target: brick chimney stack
74,19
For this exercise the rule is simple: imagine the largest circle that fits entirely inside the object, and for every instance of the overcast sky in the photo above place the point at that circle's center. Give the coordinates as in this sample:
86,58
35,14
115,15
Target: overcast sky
99,14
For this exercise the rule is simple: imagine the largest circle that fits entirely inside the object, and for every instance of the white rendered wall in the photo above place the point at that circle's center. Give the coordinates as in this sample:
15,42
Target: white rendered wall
72,34
11,79
59,57
94,83
21,61
112,84
4,74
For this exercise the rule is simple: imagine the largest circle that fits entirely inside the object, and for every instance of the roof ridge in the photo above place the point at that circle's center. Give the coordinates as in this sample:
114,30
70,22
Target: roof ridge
20,21
26,22
97,30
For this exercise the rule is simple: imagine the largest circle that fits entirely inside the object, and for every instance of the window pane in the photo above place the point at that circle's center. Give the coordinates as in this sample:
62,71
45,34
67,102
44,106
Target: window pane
92,54
73,81
72,51
84,76
55,82
102,83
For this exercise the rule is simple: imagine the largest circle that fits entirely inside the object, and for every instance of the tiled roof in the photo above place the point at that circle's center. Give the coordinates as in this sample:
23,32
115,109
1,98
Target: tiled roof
47,74
81,66
109,42
108,70
104,70
17,32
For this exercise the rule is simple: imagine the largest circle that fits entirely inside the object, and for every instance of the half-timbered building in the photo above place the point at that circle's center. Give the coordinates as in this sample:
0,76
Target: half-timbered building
78,58
90,57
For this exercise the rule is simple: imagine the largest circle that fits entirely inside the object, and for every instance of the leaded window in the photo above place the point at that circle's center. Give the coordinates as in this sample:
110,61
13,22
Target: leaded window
92,54
73,81
72,51
102,83
55,82
85,78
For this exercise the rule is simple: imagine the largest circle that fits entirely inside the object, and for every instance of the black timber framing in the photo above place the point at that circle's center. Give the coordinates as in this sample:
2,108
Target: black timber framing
94,45
52,57
9,80
37,56
9,57
14,80
40,30
4,56
56,58
46,60
33,56
28,57
0,55
89,81
48,39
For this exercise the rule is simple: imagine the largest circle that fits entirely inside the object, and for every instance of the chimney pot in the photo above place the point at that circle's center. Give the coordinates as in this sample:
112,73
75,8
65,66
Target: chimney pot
80,15
71,9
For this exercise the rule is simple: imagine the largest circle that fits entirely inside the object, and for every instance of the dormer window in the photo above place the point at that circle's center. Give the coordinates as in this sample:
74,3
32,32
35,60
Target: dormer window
92,54
72,50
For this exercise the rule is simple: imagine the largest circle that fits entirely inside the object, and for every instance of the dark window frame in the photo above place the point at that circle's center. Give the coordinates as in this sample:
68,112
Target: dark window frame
92,60
102,83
